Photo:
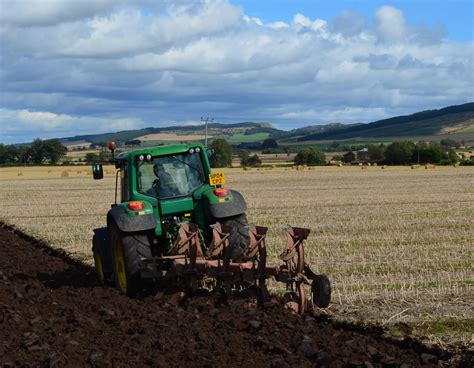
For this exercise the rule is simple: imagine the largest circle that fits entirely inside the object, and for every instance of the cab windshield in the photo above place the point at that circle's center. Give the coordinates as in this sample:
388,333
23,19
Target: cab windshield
170,176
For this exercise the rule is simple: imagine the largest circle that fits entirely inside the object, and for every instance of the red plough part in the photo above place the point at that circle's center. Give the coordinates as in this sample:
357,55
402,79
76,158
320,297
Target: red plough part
189,263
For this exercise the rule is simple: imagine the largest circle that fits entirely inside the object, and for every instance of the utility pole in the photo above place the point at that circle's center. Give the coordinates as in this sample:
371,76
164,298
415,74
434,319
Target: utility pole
206,120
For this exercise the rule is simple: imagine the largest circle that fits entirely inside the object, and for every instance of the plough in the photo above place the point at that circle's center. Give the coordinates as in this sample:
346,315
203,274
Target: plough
187,261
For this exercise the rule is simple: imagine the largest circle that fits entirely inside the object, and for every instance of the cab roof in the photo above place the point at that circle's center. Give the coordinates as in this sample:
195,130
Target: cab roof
159,150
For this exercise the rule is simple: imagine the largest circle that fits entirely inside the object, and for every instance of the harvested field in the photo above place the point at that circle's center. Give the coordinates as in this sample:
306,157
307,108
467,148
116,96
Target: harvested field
53,314
396,243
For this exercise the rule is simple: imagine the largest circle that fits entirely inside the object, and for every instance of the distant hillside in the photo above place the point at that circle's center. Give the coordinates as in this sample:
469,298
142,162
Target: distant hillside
295,134
452,119
127,135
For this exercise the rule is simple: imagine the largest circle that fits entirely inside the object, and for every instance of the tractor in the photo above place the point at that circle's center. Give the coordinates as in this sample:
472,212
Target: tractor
176,222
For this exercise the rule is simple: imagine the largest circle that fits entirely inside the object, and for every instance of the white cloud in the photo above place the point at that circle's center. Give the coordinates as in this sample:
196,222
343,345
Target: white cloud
50,12
391,24
48,124
106,65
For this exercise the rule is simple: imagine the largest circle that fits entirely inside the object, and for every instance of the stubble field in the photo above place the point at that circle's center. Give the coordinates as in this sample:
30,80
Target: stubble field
396,243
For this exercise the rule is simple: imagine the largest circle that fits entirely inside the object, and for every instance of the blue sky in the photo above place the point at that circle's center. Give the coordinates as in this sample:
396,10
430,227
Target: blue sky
457,16
92,66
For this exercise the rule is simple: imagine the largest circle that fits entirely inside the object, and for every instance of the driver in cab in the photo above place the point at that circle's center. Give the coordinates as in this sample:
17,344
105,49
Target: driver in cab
164,185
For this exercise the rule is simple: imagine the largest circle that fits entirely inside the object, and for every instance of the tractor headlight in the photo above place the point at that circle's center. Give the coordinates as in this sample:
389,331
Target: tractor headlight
148,157
191,150
198,149
141,157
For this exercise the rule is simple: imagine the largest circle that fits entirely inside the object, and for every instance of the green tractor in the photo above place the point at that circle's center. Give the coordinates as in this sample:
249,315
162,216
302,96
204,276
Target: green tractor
176,221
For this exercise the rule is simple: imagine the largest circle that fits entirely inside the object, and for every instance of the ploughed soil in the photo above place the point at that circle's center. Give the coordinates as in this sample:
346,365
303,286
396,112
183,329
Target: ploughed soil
53,313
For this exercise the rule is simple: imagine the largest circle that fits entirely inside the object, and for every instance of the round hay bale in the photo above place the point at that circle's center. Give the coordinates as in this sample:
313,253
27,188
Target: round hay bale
20,174
65,174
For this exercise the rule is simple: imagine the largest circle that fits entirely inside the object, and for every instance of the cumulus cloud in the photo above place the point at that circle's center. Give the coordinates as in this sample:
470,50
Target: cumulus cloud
104,65
26,122
50,12
391,24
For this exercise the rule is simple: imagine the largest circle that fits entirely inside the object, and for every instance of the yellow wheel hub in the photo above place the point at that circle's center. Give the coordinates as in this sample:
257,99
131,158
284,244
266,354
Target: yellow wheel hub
99,267
120,267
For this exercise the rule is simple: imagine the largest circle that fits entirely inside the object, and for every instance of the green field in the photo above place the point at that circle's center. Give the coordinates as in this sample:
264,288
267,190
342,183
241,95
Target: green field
240,137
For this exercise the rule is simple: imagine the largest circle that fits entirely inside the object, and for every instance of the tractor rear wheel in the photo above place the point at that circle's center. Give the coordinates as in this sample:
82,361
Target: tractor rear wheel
127,250
239,235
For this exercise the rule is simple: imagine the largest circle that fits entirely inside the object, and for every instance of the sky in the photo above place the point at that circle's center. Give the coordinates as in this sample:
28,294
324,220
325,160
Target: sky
92,66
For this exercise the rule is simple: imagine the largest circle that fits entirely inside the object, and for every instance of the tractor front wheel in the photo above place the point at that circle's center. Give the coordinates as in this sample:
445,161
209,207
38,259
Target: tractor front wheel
239,235
127,250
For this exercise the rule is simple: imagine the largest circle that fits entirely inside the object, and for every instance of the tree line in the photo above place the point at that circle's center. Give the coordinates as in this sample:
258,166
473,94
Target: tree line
403,153
40,151
396,153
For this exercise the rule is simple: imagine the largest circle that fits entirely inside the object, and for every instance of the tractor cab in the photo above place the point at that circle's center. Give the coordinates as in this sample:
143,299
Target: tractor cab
169,185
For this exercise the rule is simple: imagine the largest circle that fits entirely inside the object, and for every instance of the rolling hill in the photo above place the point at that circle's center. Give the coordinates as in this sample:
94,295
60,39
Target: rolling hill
457,122
450,120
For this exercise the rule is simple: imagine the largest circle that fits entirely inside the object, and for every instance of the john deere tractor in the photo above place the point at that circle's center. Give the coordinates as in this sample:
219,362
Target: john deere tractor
176,221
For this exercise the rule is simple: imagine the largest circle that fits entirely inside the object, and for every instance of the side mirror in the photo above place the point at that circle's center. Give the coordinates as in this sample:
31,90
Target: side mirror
97,171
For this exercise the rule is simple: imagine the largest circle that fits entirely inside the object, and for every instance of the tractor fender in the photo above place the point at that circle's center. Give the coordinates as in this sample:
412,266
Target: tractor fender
234,207
130,223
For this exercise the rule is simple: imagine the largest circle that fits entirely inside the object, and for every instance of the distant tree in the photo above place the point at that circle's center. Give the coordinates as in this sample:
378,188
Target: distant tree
243,153
247,160
376,152
23,154
348,157
133,142
363,154
3,154
37,151
254,161
269,143
400,153
427,154
54,150
105,156
92,158
450,143
222,153
310,156
450,156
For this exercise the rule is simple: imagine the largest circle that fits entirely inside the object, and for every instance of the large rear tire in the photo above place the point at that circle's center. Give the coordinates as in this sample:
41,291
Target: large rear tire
127,250
239,235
